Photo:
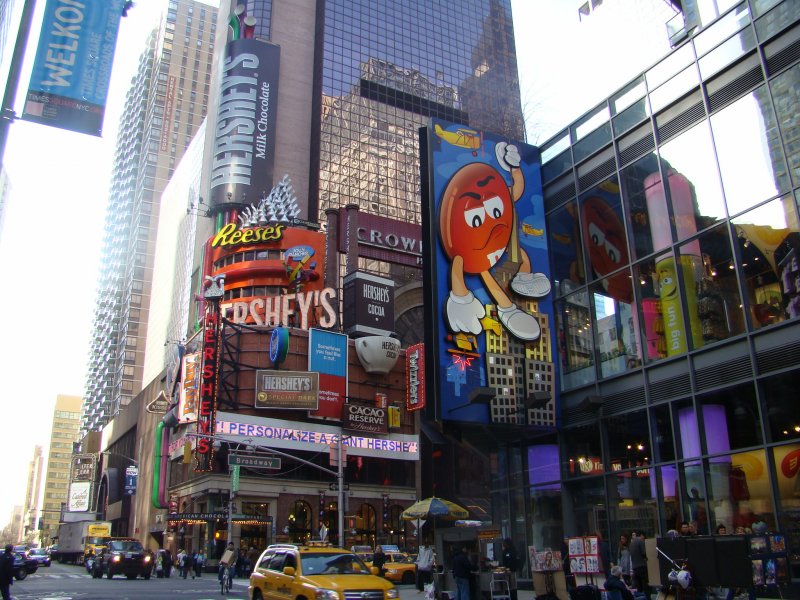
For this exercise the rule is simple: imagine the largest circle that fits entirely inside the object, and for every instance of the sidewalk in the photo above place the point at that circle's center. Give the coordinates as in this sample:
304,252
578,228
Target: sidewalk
409,592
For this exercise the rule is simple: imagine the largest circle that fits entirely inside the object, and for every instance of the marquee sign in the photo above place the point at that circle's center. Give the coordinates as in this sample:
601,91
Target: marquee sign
312,437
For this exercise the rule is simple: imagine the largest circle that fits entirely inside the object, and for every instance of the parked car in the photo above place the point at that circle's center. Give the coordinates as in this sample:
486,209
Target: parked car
23,565
123,556
41,556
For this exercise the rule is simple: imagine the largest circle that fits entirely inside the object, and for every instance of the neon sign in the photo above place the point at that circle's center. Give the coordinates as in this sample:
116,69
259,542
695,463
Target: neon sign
232,235
204,450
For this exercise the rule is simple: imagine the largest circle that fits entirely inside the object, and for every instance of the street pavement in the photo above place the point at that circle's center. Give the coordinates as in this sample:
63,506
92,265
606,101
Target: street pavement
70,582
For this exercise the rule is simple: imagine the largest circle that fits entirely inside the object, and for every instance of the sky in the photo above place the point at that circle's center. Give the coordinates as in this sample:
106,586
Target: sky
52,235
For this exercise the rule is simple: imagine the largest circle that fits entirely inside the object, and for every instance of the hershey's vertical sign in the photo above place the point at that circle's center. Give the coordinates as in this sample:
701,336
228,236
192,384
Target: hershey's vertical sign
204,451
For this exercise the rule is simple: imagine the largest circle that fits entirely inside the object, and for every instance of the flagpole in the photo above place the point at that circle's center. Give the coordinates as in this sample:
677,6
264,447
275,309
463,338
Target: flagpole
7,115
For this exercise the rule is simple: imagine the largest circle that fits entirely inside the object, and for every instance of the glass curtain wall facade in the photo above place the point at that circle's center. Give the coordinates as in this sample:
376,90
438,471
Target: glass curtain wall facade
672,211
386,68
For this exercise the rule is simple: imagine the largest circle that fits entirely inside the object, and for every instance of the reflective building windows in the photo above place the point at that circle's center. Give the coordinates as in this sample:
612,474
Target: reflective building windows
748,148
387,68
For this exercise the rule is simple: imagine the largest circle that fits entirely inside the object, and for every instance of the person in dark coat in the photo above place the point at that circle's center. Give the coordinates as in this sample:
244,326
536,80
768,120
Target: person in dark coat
510,560
639,562
462,573
168,562
378,560
615,583
7,571
605,554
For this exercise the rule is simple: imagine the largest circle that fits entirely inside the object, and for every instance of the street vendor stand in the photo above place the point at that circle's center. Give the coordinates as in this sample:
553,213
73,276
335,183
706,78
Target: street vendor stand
482,541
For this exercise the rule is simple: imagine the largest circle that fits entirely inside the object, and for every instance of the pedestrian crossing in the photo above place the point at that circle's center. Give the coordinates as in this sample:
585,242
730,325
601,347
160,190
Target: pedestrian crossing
58,576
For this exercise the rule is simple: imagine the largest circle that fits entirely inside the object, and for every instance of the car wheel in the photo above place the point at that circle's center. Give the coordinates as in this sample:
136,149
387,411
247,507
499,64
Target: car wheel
109,575
20,574
408,578
257,595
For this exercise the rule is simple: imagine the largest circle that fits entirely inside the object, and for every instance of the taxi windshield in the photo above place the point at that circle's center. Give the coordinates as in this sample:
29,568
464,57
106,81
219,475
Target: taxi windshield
333,563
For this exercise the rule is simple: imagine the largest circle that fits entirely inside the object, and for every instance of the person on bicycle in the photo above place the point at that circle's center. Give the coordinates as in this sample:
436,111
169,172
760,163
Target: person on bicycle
225,574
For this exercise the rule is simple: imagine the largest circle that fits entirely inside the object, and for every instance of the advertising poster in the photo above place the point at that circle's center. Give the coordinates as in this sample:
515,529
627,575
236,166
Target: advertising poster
415,377
69,82
131,479
545,560
79,493
489,292
187,406
584,555
244,133
327,355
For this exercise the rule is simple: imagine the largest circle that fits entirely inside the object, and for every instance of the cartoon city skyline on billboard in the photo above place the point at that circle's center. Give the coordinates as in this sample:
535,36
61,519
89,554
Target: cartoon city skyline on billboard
490,292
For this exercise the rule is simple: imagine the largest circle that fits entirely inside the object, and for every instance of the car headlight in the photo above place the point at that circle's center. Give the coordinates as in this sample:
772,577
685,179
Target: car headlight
146,559
117,558
323,594
392,593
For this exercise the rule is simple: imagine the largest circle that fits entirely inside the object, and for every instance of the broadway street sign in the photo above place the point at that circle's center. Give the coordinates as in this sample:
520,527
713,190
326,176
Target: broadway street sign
258,462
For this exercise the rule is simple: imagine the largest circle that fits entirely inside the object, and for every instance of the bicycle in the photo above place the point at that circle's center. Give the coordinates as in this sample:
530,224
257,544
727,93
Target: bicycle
225,578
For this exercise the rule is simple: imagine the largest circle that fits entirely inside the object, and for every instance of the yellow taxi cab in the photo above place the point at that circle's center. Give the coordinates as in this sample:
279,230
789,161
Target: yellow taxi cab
315,572
399,567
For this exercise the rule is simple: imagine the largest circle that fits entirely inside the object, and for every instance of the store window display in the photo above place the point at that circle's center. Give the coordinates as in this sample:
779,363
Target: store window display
711,289
768,238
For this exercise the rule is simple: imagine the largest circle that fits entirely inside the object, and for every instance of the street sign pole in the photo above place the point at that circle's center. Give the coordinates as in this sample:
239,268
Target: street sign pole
340,490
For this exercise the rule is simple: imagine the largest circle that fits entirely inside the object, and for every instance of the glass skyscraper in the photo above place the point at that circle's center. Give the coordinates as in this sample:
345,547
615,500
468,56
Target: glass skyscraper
672,211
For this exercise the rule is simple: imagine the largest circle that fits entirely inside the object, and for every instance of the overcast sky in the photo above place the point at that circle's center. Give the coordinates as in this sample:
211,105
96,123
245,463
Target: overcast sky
52,237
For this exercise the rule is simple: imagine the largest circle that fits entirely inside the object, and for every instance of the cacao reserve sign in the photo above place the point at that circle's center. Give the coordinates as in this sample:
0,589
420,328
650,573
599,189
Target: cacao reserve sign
364,418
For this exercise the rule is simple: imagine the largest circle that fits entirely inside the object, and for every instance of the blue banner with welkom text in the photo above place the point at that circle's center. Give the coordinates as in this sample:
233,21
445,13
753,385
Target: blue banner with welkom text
71,72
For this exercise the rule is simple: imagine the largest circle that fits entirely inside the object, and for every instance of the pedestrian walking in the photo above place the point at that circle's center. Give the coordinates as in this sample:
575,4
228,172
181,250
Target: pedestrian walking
187,565
168,563
7,571
378,560
180,559
252,557
199,563
424,566
160,564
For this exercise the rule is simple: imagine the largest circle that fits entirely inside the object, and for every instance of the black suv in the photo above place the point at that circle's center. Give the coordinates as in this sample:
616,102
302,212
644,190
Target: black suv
123,557
23,564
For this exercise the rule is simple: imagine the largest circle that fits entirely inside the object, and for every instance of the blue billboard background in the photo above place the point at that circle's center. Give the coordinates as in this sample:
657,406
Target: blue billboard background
485,226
